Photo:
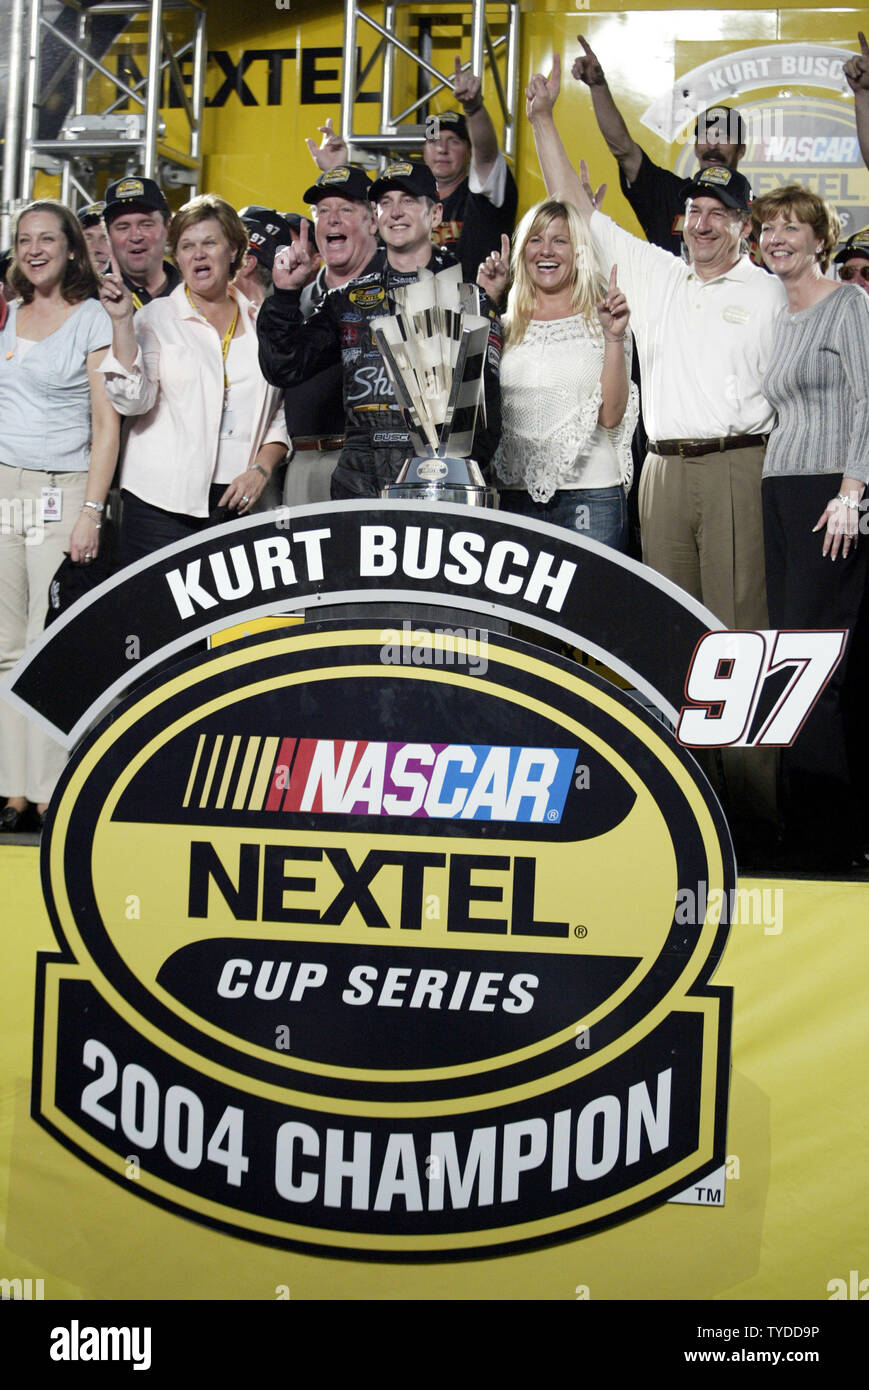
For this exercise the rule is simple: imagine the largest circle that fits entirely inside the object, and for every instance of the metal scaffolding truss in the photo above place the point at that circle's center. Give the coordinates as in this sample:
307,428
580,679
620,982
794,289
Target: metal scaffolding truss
91,143
493,55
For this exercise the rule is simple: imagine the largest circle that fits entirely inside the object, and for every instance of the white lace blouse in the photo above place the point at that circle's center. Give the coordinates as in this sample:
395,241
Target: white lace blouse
550,399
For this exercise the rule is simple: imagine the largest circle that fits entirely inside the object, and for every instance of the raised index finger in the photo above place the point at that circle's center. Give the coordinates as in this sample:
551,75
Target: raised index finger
864,46
114,265
614,278
586,46
505,248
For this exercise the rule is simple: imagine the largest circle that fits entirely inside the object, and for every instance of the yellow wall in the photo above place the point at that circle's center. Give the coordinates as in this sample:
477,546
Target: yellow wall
254,142
258,153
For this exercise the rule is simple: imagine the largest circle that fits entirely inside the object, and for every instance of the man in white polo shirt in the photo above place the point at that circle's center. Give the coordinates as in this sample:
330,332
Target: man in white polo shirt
704,334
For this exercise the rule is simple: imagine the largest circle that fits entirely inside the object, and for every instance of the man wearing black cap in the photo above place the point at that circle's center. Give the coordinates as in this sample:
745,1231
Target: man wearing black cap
704,335
292,349
656,195
345,225
853,260
475,187
347,244
137,220
267,232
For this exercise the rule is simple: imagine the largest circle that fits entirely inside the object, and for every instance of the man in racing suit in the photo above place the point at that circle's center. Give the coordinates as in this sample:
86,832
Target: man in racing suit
293,348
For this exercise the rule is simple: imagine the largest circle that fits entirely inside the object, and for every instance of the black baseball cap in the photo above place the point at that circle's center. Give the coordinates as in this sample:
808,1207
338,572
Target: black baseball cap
727,185
716,117
344,181
411,175
125,194
856,245
267,232
454,121
90,215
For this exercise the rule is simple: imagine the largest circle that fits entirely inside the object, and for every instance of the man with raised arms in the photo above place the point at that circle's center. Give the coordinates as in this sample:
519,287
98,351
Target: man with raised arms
656,195
475,186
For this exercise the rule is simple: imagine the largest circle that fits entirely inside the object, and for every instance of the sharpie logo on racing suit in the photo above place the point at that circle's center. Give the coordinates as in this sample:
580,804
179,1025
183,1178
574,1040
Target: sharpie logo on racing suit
367,382
434,781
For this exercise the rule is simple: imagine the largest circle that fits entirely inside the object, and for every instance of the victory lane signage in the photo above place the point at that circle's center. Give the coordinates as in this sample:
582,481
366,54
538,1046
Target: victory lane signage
381,960
491,563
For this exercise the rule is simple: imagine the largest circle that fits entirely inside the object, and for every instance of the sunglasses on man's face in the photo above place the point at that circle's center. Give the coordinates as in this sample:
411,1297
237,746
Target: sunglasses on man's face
853,272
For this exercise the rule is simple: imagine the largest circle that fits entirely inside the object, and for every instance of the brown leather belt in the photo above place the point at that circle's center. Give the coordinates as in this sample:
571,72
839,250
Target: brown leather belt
324,446
696,448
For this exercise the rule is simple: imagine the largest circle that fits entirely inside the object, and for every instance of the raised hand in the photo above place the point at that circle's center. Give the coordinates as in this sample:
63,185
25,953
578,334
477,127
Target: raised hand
494,271
467,88
613,311
114,295
295,265
331,150
856,69
541,93
587,69
595,196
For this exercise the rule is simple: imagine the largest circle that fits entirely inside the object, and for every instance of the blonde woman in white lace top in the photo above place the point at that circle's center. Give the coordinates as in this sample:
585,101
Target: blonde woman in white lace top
568,406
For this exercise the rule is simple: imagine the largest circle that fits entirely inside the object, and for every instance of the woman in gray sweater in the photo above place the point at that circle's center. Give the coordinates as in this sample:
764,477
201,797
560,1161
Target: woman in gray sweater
816,470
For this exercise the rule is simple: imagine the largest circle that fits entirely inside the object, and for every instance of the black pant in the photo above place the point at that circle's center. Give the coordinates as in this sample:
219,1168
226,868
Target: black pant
805,589
146,528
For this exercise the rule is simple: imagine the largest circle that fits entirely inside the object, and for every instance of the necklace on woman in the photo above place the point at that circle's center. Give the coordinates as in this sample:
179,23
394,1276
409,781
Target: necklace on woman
224,342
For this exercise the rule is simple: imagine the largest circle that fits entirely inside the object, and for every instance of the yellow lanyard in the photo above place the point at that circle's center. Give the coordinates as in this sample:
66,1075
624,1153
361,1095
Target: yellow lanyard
225,340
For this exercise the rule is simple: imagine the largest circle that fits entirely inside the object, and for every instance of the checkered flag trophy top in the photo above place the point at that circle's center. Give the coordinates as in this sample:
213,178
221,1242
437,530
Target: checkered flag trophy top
434,347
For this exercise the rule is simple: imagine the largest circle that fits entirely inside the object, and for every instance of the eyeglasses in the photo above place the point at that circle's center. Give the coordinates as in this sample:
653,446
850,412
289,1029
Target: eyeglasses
849,272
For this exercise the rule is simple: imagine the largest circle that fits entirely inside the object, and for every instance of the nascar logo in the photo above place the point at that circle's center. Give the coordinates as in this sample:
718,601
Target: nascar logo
436,781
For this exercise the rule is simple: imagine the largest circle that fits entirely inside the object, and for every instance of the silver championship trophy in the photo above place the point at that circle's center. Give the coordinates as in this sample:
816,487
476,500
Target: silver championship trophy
434,349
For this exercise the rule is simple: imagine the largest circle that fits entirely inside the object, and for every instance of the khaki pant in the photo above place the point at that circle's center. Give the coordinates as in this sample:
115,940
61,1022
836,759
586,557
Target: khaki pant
30,553
309,475
702,526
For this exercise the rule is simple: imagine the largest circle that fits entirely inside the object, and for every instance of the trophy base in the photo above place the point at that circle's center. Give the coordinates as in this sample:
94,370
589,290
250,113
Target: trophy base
434,479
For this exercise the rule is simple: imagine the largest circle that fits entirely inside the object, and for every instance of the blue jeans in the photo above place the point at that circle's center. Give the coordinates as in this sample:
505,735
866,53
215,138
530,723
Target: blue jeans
598,513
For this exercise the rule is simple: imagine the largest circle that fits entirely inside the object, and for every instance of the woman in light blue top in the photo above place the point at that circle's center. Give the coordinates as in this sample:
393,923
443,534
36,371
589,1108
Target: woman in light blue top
58,446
